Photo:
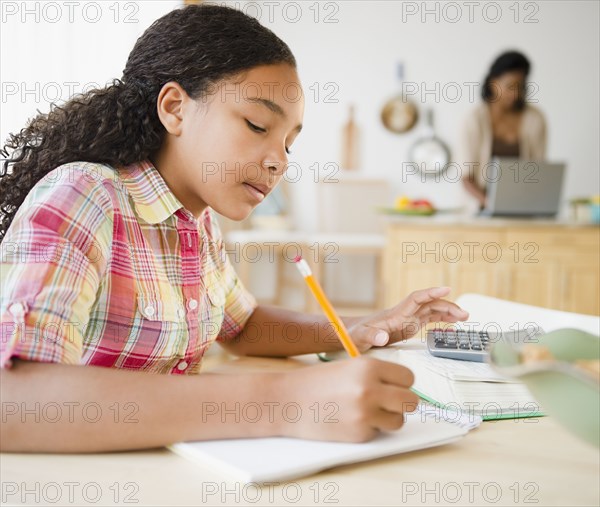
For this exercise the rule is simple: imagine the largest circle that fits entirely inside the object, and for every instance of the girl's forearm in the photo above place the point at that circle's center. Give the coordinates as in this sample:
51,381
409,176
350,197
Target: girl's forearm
276,332
63,408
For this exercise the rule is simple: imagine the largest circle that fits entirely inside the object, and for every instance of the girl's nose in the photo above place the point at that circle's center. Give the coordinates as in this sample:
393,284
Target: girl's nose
275,167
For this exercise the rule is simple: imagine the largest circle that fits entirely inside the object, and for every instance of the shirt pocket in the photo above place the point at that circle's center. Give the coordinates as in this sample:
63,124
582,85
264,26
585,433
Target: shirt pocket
157,310
164,327
217,297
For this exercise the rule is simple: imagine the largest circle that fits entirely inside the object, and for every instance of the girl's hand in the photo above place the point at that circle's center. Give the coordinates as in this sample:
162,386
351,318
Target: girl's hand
406,318
349,401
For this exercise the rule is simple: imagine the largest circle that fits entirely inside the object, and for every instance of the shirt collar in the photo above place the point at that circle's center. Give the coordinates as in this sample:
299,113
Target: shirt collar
154,201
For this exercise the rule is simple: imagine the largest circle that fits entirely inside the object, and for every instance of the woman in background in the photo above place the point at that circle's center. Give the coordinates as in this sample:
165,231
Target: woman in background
504,125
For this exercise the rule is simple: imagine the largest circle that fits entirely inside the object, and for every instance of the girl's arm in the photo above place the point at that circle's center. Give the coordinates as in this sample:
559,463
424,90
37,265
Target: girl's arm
273,331
50,407
276,332
63,408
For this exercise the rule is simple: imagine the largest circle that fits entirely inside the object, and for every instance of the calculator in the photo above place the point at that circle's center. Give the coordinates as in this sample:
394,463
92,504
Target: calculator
472,345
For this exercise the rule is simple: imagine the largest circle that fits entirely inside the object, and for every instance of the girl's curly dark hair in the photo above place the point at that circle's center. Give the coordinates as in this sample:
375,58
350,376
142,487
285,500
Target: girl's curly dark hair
197,46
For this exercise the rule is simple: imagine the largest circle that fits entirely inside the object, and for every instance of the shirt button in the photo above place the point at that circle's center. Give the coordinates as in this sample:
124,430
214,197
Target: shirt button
182,366
192,304
149,311
16,310
180,313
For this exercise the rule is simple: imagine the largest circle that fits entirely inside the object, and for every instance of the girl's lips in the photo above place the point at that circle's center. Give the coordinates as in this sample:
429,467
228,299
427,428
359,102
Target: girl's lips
254,192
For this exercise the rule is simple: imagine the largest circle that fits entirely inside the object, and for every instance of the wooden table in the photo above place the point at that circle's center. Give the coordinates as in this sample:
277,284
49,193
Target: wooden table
517,462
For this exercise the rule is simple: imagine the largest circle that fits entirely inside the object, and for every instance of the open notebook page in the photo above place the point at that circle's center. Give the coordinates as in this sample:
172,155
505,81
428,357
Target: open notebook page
281,459
490,399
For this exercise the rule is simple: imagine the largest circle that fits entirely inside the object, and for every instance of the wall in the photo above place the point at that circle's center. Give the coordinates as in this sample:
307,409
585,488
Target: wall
445,62
51,50
358,55
347,53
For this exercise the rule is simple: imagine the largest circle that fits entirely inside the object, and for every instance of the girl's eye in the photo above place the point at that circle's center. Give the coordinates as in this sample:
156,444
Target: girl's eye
254,127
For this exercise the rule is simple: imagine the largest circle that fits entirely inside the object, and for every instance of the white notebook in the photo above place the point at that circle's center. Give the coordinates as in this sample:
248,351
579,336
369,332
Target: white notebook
283,459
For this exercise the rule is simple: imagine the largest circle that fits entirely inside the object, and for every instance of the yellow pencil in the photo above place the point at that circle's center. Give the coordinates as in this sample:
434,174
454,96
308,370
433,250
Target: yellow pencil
331,314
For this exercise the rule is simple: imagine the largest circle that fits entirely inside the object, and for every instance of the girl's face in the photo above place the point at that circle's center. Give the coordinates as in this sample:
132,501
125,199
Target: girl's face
229,150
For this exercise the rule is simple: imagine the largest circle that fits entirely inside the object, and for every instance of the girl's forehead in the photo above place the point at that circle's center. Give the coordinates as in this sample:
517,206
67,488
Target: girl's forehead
276,87
267,81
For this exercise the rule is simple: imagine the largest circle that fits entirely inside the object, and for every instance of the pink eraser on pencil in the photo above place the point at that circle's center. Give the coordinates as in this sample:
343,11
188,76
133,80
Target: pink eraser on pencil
298,258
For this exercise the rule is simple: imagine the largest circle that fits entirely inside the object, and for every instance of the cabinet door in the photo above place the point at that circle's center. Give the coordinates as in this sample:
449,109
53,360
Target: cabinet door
477,263
535,284
480,278
579,287
556,268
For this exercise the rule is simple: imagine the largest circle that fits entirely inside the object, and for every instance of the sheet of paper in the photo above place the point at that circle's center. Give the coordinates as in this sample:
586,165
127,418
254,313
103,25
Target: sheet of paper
457,370
490,399
468,421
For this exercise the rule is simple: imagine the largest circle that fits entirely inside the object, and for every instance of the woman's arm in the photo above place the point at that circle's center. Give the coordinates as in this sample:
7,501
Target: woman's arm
471,137
473,189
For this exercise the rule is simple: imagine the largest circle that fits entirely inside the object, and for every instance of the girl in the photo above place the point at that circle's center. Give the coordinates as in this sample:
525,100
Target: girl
114,275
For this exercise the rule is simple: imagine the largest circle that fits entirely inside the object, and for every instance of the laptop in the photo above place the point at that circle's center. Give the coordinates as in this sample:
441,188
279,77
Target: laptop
523,188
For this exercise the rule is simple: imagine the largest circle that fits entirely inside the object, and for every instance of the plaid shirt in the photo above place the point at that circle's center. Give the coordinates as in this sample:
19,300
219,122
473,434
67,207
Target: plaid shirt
105,267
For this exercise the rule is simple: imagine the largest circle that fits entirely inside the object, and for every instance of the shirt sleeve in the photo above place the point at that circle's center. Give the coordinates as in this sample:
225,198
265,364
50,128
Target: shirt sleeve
469,146
539,152
53,258
239,305
239,302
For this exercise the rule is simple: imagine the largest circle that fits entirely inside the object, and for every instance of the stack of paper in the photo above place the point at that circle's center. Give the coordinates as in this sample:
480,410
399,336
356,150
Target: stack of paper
467,387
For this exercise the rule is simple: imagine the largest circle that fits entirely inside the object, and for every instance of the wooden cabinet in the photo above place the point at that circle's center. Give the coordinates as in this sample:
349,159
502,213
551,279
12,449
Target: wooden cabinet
539,263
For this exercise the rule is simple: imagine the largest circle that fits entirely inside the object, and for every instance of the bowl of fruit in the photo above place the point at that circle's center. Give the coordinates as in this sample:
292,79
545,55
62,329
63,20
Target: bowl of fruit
404,205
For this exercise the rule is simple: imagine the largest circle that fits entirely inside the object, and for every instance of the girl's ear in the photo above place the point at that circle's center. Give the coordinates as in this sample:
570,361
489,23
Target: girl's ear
170,105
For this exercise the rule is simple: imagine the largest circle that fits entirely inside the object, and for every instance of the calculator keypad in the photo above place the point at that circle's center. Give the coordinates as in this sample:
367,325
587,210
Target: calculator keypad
459,343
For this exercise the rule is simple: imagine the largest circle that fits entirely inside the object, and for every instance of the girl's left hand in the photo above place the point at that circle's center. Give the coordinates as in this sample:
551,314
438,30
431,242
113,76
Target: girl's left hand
406,318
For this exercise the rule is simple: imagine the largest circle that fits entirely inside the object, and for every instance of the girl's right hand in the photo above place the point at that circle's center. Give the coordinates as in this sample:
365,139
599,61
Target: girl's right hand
349,401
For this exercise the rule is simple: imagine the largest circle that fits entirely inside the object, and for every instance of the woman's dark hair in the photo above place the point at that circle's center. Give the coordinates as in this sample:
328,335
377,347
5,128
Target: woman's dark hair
197,46
507,62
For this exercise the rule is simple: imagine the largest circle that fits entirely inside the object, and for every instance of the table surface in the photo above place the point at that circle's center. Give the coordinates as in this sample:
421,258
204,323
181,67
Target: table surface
509,462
